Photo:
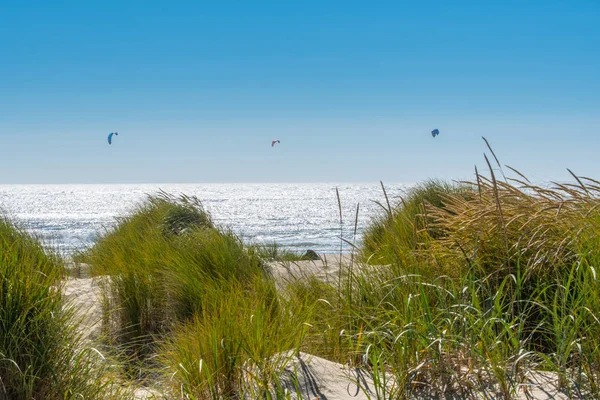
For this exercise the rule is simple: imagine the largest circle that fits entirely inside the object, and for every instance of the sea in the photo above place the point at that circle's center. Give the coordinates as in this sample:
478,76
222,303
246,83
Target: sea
298,216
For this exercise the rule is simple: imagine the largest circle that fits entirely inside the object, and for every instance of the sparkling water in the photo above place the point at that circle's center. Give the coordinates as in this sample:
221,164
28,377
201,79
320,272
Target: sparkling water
295,216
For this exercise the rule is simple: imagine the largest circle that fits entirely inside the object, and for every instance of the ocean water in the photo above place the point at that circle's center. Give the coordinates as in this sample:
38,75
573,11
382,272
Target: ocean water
296,216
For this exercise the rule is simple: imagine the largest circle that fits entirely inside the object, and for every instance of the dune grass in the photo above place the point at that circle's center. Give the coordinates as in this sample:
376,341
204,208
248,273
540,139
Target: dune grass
400,230
239,345
492,286
484,284
161,261
42,355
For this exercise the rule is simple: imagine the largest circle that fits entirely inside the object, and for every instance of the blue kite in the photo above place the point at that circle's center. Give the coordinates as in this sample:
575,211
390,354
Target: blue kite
110,135
435,132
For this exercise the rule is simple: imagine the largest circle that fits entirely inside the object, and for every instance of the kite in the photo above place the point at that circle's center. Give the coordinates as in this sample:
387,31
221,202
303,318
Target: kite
110,135
273,142
435,132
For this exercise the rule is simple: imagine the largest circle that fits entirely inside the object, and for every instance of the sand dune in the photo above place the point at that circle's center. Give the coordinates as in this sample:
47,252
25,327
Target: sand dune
317,378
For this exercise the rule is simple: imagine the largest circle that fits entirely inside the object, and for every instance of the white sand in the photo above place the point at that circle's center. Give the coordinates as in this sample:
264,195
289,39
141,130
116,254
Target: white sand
312,377
85,297
326,269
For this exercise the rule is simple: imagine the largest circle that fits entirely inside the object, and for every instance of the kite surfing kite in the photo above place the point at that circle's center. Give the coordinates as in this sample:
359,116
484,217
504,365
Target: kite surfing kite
435,132
110,135
273,142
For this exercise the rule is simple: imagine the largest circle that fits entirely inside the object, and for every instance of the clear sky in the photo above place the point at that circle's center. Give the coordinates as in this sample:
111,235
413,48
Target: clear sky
198,89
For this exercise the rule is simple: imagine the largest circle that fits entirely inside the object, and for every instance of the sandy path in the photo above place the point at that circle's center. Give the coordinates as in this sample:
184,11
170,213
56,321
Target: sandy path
84,296
326,269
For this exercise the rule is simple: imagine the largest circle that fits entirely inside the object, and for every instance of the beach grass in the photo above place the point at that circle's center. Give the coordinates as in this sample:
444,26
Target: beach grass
239,345
42,354
162,261
395,235
463,289
477,286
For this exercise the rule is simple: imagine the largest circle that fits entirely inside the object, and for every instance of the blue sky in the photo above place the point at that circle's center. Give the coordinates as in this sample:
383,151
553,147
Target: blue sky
198,89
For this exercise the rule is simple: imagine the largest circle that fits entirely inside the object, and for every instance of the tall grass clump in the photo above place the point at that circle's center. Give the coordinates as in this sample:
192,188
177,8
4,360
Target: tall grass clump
187,300
160,261
239,346
478,287
401,230
42,355
539,236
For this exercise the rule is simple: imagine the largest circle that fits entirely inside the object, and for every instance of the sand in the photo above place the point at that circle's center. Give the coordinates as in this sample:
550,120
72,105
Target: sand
85,297
326,269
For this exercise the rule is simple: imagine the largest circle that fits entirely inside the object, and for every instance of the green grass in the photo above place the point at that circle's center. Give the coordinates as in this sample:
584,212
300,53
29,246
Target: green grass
401,230
238,346
466,290
162,260
42,355
479,289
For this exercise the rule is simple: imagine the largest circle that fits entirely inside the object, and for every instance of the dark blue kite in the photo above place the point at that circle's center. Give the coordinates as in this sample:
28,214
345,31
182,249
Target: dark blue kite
110,135
435,132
